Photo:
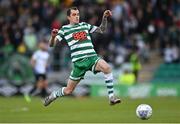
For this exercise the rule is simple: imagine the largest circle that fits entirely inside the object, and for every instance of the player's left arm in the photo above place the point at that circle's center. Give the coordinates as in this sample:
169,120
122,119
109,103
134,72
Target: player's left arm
102,28
47,61
32,62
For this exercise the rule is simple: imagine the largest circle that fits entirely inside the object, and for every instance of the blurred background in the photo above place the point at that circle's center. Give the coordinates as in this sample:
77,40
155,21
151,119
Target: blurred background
142,45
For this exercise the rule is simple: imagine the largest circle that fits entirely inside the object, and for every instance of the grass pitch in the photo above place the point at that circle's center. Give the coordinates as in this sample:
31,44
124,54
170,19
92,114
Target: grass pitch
87,110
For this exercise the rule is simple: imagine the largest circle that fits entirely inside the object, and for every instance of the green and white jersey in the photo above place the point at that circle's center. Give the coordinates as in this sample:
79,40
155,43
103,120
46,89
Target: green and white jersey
78,39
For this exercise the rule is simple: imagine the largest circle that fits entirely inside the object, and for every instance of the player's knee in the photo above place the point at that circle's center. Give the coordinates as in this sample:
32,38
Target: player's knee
107,69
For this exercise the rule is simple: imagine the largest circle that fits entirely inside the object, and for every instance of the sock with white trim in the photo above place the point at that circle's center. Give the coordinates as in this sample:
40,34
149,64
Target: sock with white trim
59,92
109,84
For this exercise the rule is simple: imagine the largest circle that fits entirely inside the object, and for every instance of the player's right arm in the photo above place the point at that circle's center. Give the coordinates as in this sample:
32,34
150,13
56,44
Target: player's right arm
102,28
53,39
56,36
33,59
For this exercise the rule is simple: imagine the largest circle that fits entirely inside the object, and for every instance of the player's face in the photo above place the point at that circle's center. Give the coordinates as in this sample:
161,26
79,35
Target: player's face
74,17
43,46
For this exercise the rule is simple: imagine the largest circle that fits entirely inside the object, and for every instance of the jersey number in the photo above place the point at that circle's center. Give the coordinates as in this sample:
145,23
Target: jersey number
82,35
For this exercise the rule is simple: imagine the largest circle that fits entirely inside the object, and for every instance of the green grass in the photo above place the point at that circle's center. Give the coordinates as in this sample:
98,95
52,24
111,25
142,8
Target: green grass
15,109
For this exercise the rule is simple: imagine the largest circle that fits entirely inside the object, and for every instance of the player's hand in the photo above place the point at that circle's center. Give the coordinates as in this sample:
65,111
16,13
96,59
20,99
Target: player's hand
107,13
54,32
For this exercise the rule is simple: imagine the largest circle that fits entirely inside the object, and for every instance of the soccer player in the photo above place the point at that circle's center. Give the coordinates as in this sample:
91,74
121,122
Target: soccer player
39,62
84,57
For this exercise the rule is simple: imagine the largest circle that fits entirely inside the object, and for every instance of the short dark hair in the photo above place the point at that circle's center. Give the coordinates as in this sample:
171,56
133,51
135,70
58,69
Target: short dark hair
69,10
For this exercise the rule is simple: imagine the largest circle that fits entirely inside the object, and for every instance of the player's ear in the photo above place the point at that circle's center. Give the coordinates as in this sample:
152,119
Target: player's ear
68,17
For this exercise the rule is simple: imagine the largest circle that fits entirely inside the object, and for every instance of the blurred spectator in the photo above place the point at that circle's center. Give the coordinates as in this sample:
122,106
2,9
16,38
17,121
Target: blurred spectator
155,22
135,62
175,51
168,54
127,78
22,48
30,38
171,54
143,49
8,48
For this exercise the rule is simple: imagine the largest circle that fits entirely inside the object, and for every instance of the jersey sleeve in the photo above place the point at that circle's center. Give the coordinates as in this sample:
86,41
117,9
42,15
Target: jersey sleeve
91,28
60,35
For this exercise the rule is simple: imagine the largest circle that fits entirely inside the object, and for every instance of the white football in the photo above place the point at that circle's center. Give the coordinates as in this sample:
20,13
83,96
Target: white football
144,111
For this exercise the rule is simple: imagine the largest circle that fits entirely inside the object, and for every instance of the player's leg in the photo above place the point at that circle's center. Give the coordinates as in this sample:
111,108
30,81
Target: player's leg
76,75
44,88
36,85
41,84
34,90
104,67
61,92
71,84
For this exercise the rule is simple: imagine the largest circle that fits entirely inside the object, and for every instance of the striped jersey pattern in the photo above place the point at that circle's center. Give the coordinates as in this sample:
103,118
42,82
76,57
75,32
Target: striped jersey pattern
78,39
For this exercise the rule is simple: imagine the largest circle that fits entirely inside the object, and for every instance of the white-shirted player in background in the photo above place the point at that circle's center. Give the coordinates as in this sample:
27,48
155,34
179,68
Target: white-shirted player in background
39,62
